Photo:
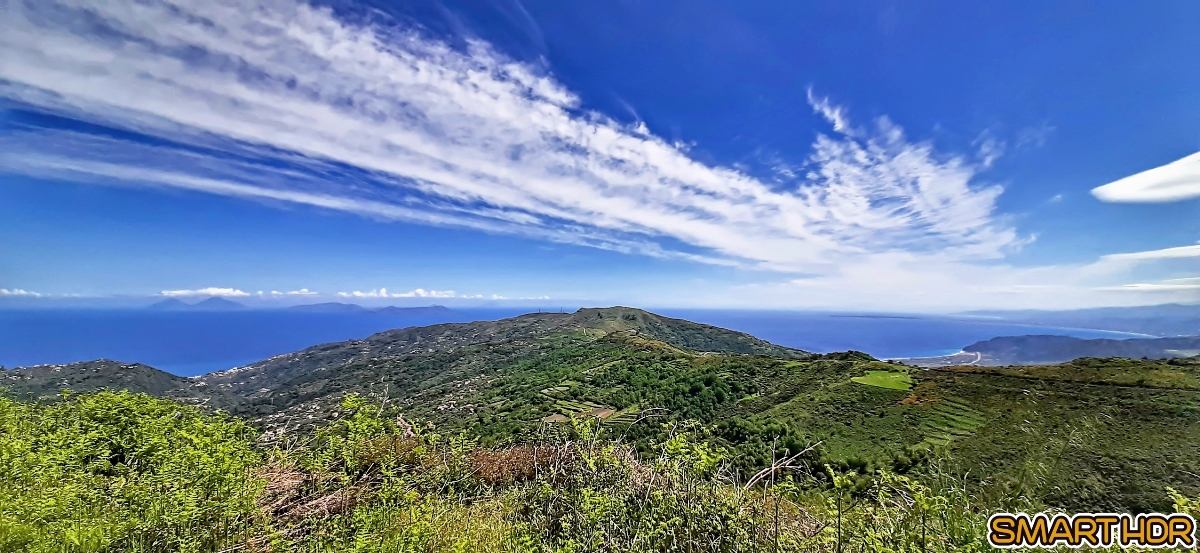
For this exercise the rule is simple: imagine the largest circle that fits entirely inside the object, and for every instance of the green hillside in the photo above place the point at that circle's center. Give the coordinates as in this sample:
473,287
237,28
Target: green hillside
1109,434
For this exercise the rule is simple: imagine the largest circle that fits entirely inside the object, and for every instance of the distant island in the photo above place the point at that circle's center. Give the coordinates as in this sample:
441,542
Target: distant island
329,307
210,304
336,307
222,304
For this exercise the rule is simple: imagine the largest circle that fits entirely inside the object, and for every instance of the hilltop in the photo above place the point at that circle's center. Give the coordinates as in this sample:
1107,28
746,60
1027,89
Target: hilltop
524,330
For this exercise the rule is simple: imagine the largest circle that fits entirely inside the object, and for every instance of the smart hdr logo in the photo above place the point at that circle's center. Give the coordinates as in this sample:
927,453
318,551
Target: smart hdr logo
1011,531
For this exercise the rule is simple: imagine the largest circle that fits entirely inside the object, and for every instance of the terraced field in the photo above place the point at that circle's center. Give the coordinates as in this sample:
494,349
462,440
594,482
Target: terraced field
625,416
949,419
572,408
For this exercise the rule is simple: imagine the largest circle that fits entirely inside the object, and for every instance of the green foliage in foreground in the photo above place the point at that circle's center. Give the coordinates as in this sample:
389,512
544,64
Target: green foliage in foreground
126,472
122,472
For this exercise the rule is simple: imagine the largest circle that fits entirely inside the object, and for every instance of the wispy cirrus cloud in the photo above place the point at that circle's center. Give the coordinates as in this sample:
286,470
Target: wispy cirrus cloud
835,114
222,292
386,122
282,102
1035,136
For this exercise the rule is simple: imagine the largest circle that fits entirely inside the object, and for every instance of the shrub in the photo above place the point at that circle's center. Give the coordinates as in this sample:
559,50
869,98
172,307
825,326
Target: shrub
125,472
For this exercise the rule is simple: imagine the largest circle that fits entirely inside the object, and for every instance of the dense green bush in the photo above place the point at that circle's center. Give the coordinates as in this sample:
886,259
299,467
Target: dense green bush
123,472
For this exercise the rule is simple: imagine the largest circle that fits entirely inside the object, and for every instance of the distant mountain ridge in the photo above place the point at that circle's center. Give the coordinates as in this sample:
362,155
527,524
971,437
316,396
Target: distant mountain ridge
1172,319
1045,349
328,307
170,304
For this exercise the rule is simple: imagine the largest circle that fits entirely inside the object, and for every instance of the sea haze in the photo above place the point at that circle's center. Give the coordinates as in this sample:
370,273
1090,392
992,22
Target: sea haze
190,343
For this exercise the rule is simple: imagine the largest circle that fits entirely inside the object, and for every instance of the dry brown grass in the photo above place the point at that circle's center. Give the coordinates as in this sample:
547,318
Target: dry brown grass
394,450
333,503
520,464
283,490
294,495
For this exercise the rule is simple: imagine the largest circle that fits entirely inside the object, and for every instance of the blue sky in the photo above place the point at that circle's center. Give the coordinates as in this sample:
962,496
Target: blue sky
901,156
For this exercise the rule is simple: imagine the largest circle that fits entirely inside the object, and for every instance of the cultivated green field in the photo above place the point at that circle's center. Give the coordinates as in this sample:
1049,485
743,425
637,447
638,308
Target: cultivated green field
885,379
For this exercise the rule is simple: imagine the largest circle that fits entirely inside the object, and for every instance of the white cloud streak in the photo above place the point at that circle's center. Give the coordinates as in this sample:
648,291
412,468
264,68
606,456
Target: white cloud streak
1171,285
1155,287
19,292
1181,252
383,293
1175,181
222,292
452,137
419,293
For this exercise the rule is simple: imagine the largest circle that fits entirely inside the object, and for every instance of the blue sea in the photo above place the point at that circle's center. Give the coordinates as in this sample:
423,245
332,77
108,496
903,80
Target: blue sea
192,343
